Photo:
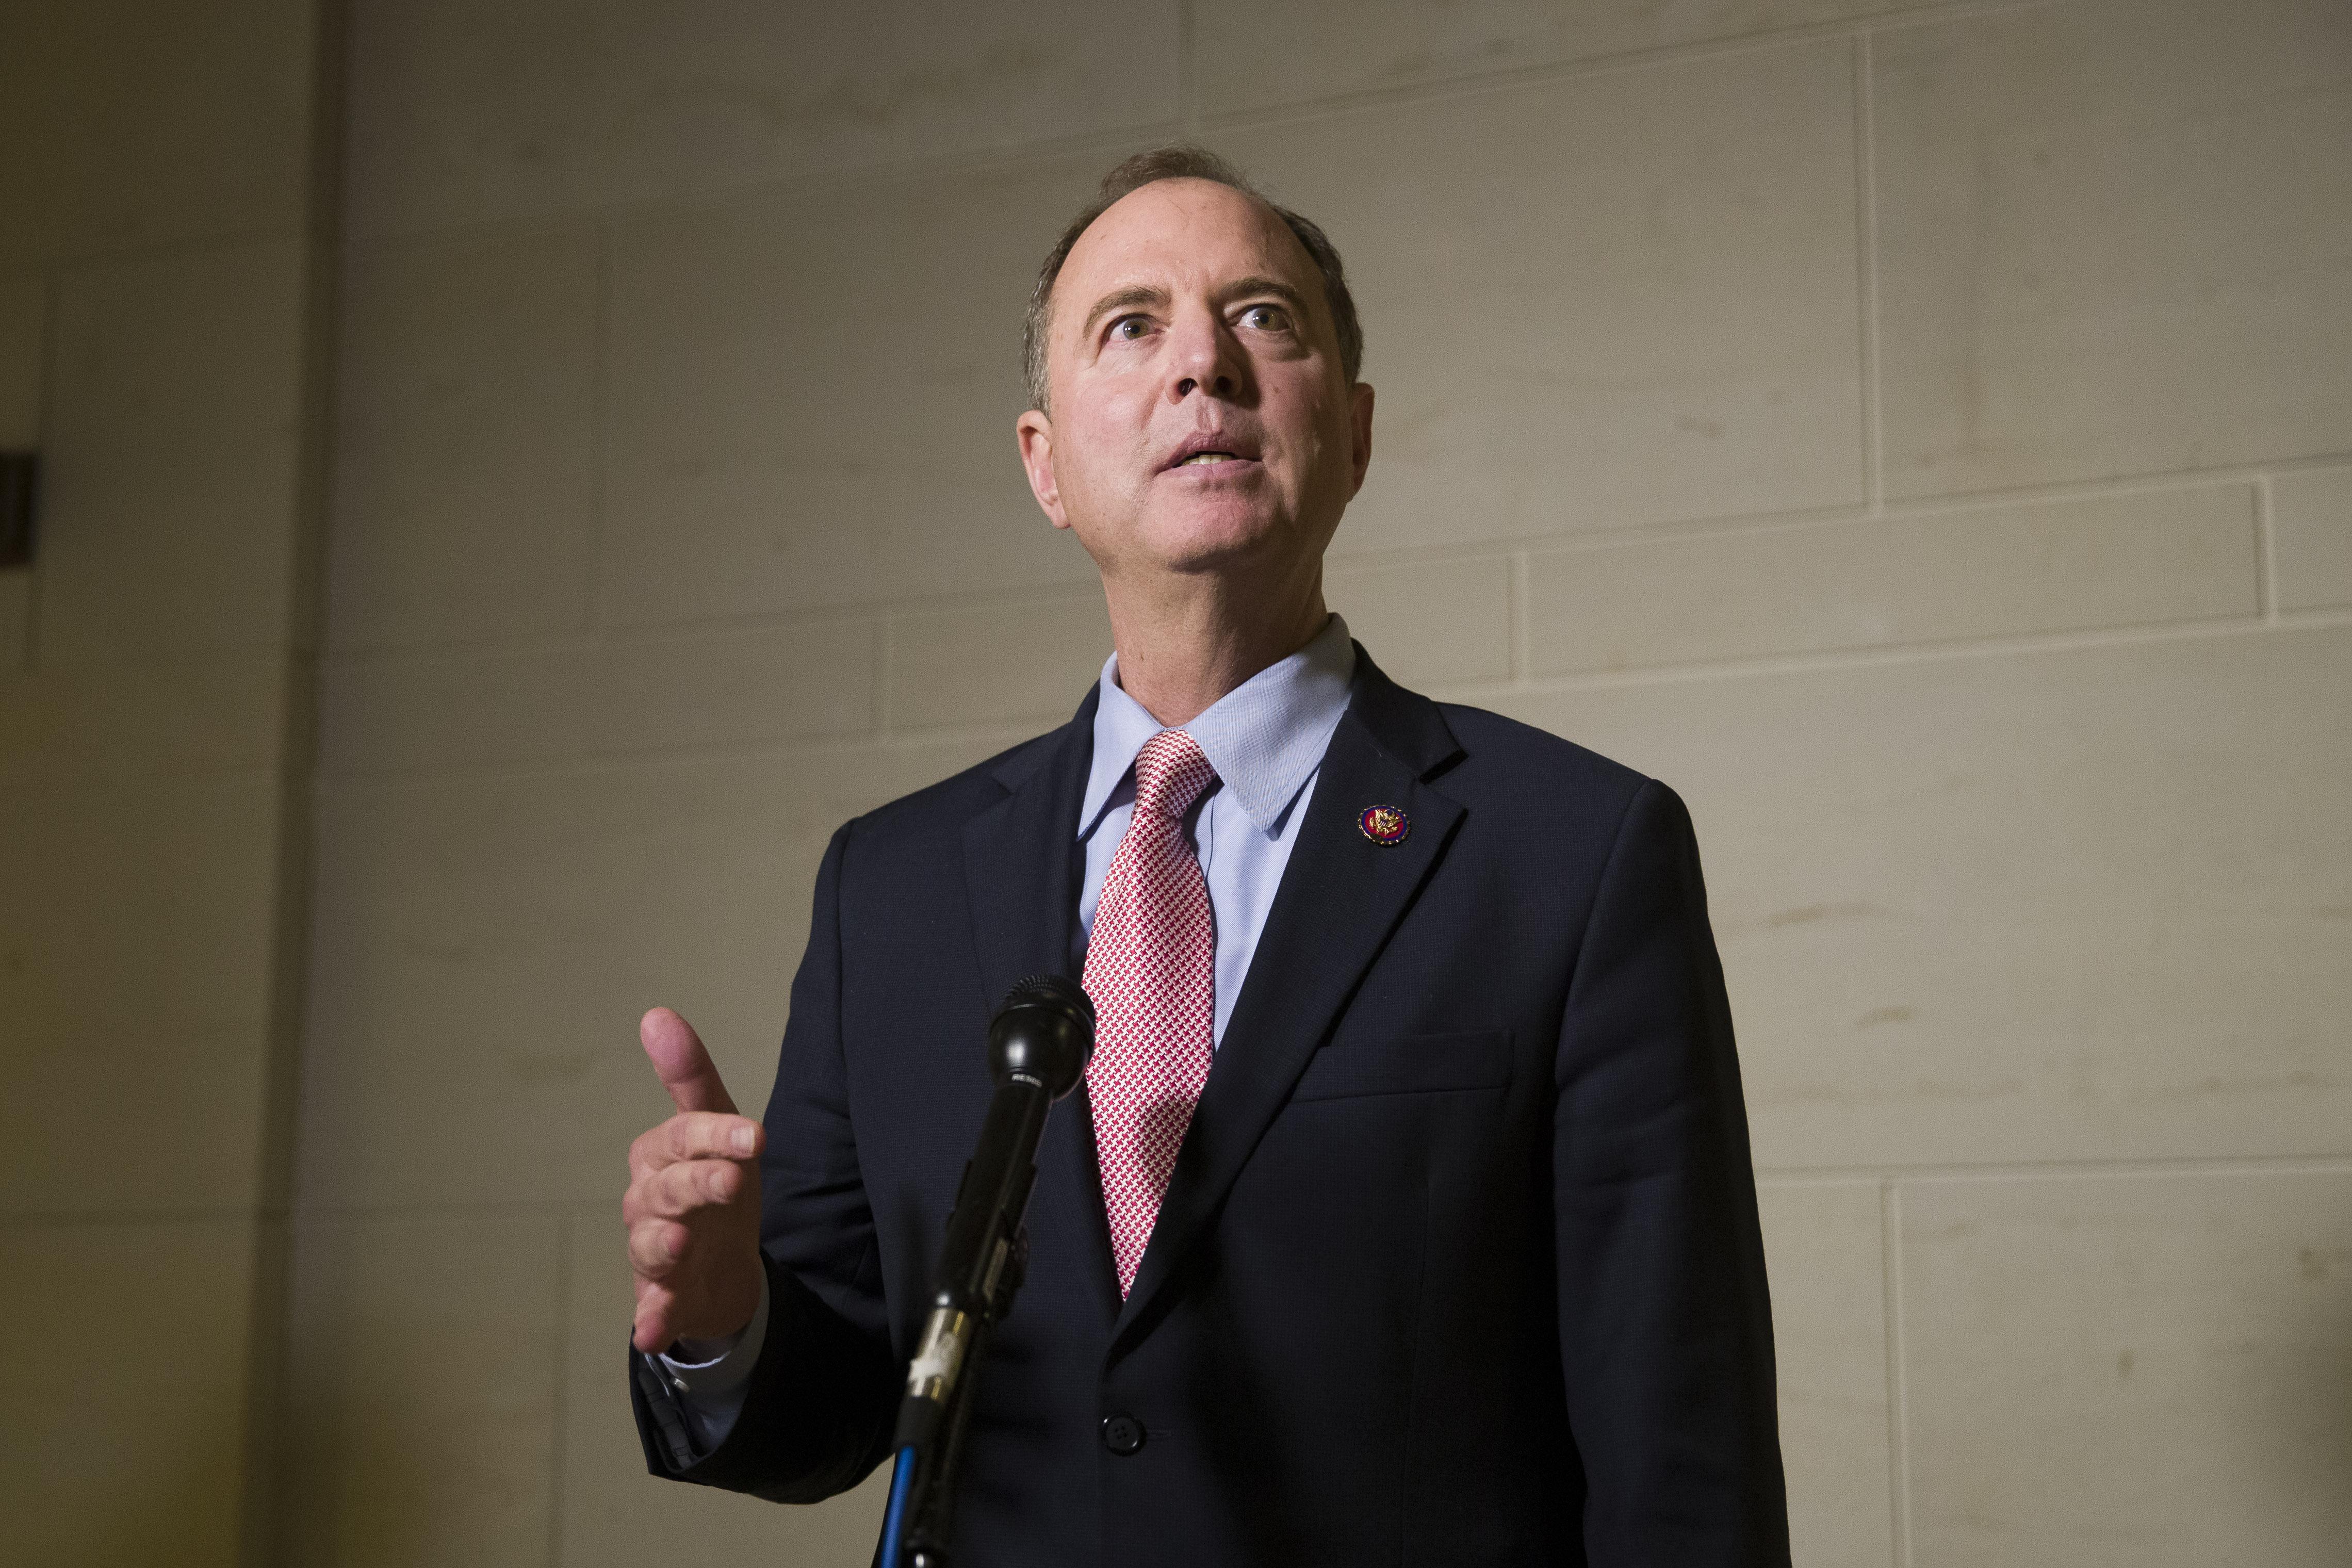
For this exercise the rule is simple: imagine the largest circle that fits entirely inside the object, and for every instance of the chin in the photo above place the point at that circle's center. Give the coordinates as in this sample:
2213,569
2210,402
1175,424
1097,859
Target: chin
1218,539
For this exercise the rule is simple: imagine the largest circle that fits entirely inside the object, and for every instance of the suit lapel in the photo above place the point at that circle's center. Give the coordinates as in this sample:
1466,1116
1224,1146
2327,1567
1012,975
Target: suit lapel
1020,860
1021,873
1341,897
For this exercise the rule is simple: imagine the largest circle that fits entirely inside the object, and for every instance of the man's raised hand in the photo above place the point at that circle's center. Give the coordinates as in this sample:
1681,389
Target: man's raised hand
693,1203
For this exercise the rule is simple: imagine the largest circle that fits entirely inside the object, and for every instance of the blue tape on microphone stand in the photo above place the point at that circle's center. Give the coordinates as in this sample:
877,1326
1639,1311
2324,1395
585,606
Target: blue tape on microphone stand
894,1518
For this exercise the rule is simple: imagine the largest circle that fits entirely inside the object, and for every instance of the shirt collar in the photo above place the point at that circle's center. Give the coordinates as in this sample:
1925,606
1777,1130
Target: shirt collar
1265,737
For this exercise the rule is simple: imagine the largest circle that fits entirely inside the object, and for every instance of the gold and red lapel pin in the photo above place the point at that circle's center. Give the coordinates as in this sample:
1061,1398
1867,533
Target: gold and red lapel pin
1385,824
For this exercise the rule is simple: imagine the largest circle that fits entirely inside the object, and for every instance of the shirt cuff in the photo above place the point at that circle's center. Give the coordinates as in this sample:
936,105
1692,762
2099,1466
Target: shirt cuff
712,1377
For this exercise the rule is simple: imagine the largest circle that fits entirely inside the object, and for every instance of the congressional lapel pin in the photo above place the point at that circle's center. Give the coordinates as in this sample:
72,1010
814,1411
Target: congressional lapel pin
1385,824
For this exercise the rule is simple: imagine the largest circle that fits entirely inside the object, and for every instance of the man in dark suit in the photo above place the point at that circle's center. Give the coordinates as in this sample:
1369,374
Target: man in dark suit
1406,1213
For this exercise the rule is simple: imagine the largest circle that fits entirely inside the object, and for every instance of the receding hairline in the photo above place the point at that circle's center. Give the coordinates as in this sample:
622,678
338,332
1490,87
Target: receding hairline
1159,166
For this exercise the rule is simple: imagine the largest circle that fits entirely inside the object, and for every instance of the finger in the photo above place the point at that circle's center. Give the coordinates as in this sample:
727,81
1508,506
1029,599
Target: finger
651,1329
685,1066
682,1190
657,1246
696,1135
692,1187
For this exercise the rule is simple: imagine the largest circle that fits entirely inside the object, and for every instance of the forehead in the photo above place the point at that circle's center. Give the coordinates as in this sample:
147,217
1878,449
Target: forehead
1179,233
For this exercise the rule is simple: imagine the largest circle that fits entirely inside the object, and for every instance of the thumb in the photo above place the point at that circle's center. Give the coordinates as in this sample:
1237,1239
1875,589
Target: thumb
686,1069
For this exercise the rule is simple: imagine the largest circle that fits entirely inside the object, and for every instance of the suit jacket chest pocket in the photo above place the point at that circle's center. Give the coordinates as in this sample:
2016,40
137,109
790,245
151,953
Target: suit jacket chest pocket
1409,1064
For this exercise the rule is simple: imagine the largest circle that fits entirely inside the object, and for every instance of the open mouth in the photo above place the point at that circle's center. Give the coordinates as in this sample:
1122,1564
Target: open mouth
1214,449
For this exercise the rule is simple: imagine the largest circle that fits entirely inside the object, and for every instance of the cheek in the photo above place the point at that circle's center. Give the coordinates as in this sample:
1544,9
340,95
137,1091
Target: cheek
1117,438
1311,430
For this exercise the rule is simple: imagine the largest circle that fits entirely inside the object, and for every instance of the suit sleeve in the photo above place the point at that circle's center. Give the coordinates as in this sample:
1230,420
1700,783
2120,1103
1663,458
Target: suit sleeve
819,1403
1666,1326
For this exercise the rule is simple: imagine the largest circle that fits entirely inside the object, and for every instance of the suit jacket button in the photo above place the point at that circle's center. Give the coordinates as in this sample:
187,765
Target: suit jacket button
1122,1434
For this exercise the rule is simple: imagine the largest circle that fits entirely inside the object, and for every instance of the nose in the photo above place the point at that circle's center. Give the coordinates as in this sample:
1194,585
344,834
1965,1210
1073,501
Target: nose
1205,357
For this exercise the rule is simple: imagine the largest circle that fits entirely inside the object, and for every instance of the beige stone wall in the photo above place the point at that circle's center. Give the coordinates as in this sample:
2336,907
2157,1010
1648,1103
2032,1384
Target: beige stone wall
160,250
1921,434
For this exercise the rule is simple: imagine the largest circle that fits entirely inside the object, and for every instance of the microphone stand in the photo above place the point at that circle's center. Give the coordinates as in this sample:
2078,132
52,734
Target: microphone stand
1037,1047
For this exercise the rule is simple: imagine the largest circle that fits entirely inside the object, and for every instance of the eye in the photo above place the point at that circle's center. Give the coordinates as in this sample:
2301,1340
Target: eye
1127,329
1266,318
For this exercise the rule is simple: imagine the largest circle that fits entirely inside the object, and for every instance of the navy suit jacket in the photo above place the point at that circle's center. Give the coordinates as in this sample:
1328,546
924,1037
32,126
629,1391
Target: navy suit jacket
1459,1263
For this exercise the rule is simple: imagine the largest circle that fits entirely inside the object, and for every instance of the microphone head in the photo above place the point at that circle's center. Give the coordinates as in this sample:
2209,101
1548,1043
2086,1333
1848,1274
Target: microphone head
1045,1032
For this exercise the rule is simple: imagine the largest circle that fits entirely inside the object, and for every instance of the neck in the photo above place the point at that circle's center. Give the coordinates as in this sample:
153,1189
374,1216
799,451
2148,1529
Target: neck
1184,642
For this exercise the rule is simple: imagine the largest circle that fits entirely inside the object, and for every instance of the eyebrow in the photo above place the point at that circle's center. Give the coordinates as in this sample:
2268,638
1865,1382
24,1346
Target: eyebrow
1143,294
1120,299
1244,287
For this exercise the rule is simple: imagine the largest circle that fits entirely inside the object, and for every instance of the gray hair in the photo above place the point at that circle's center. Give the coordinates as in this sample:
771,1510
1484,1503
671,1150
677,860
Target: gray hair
1182,161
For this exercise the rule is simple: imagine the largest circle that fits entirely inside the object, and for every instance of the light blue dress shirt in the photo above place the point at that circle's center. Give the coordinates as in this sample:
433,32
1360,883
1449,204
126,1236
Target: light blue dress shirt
1265,739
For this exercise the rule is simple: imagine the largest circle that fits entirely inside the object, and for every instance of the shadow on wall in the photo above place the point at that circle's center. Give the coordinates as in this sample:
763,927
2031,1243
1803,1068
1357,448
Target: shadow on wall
179,1511
421,1426
379,1472
2295,1446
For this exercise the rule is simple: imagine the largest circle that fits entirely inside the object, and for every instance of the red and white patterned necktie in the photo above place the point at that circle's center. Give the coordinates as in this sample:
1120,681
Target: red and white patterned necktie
1151,969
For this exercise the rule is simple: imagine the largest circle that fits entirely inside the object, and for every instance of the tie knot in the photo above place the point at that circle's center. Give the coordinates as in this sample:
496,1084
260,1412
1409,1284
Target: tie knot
1170,771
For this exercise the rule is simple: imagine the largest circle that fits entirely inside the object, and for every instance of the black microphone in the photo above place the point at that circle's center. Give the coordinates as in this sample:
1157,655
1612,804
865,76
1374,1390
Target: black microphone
1038,1045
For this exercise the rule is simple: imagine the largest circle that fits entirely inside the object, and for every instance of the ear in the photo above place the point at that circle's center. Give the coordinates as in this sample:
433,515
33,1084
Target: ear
1359,428
1035,434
